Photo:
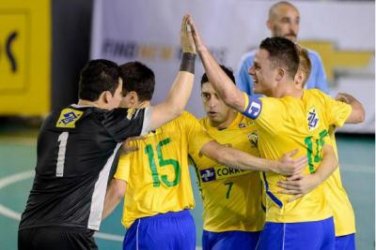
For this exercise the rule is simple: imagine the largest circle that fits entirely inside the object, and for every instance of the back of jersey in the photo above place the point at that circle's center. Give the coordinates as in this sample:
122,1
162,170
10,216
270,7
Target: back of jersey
76,149
292,123
157,175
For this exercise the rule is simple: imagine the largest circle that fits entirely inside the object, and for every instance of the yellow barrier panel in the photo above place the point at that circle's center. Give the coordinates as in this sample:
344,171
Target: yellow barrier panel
25,38
338,59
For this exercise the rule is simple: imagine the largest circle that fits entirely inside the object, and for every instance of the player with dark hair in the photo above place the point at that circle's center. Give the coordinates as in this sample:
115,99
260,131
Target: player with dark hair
77,146
232,199
155,181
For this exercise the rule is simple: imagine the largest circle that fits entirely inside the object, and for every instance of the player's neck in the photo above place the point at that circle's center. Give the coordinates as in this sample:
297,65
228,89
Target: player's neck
86,103
287,89
225,124
143,104
294,92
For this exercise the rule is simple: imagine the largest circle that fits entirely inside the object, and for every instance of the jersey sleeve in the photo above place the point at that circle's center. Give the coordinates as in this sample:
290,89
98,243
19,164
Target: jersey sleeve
337,111
197,134
266,112
123,123
122,170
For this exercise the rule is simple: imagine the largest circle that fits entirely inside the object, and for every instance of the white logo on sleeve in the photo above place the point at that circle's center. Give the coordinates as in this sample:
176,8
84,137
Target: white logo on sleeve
254,109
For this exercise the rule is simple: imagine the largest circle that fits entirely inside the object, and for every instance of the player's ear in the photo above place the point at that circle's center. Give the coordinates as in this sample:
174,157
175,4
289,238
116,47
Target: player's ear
269,24
280,74
133,98
106,97
299,78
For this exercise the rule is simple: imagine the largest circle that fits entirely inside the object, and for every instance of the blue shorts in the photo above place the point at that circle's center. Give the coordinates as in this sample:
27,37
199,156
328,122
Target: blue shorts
345,242
237,240
172,230
311,235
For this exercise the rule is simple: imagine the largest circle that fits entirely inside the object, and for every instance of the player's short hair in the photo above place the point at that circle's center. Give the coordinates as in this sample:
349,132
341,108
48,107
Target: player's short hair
228,72
304,63
139,78
96,77
282,53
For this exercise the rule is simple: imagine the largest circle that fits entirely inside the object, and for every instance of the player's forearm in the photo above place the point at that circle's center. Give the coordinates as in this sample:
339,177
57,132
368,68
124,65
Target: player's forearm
109,206
178,96
358,113
328,164
115,193
241,160
238,159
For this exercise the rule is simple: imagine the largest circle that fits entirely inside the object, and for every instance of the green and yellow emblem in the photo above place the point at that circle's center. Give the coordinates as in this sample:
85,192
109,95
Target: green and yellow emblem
68,118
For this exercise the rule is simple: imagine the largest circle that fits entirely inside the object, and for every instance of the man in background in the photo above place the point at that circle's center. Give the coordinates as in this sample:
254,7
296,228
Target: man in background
283,21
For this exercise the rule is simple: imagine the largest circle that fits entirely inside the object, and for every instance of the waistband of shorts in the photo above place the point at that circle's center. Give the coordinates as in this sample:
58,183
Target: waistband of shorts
179,214
59,228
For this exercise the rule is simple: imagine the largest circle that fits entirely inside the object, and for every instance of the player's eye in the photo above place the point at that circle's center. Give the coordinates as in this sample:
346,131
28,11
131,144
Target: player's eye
205,96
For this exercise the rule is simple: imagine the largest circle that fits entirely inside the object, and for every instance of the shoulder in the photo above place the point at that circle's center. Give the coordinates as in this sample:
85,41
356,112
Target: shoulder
316,95
315,92
183,120
204,121
186,116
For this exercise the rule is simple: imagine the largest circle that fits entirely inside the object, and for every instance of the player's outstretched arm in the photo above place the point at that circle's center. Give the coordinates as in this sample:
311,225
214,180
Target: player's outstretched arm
298,185
227,90
115,193
181,89
357,114
237,159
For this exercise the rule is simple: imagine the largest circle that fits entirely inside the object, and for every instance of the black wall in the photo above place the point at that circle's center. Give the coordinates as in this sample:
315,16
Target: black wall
71,31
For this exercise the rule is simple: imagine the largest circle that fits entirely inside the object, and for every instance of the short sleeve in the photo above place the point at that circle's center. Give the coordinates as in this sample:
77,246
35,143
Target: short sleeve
123,123
197,134
122,171
266,112
338,111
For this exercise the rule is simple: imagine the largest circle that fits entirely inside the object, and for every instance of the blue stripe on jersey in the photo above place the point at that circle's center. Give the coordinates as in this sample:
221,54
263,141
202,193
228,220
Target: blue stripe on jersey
253,109
270,194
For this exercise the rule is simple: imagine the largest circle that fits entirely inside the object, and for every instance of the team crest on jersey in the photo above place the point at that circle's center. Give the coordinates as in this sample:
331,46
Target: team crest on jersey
242,125
130,113
68,118
313,119
253,138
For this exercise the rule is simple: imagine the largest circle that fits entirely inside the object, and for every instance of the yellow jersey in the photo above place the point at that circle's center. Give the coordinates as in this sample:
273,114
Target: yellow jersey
157,175
289,123
343,213
231,197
